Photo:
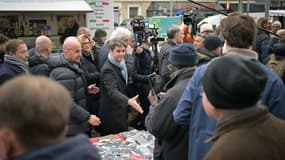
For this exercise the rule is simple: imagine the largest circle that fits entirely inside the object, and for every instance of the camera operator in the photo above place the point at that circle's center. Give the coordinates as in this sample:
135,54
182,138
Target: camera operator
142,70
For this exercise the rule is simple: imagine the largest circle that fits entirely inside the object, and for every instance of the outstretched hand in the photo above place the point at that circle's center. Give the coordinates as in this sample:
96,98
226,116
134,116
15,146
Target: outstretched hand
133,103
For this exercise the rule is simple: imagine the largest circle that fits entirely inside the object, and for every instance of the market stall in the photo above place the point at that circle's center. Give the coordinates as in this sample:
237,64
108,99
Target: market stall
27,19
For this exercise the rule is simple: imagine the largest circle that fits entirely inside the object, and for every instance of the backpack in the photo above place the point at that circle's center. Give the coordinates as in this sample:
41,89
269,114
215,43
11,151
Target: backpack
277,66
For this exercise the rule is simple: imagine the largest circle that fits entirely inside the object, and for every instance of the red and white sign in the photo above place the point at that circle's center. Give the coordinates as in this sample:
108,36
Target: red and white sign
102,16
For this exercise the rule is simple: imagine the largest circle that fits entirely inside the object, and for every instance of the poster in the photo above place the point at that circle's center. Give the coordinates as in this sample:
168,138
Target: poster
102,16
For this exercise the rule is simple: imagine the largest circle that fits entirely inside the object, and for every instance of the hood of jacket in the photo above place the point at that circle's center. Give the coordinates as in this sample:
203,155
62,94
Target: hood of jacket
73,148
35,58
58,60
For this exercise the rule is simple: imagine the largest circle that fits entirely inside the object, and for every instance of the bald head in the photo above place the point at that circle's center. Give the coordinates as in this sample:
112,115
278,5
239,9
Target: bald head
72,49
43,45
23,111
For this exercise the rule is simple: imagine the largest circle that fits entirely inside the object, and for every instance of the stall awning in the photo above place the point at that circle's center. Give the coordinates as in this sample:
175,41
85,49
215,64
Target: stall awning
44,6
277,13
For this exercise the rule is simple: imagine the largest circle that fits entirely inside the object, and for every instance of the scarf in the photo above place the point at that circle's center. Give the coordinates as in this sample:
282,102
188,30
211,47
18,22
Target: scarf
17,62
121,65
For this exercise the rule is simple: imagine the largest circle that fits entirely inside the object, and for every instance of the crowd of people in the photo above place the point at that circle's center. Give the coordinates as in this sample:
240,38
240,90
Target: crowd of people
220,97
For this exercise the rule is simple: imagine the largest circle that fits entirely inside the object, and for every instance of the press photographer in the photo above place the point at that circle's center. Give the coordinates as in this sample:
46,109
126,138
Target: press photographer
142,42
190,19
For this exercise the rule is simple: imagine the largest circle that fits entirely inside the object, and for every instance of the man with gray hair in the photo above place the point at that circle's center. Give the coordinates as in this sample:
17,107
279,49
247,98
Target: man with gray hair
123,34
38,56
84,30
175,36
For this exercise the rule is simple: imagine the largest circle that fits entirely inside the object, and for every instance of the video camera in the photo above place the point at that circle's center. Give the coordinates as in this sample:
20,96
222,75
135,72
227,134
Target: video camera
189,17
141,33
138,26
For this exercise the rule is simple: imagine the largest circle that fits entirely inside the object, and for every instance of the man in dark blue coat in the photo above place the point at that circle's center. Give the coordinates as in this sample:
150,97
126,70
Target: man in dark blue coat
15,60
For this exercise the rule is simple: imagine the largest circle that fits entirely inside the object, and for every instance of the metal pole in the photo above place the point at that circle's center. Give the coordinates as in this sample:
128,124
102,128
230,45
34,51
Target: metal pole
240,5
171,6
248,6
267,7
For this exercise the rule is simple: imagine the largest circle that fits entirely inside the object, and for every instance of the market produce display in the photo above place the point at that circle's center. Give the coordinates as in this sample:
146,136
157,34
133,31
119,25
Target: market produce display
130,145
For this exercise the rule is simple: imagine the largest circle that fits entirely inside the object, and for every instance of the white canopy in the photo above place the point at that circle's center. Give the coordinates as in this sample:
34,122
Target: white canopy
277,13
44,6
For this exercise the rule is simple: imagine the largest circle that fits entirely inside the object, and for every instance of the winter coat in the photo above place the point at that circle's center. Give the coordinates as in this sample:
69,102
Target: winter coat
255,135
38,64
171,140
69,32
113,102
91,72
73,148
269,49
205,56
9,71
103,54
261,44
190,112
92,76
99,44
72,78
163,60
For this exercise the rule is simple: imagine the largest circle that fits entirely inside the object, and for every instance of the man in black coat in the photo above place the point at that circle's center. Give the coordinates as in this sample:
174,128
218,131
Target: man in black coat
114,99
71,29
38,56
65,70
172,140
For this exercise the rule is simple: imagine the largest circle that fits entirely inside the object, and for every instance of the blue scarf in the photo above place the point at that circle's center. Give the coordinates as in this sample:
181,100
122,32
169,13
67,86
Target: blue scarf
121,65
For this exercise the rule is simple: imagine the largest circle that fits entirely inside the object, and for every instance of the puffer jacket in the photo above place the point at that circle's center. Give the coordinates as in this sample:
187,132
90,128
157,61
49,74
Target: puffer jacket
72,78
38,64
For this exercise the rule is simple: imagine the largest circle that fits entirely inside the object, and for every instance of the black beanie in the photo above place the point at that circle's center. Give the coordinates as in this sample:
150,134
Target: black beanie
212,42
184,55
233,82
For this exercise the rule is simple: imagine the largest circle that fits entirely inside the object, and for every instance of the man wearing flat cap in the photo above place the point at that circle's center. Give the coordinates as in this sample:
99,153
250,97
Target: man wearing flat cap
171,140
245,129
